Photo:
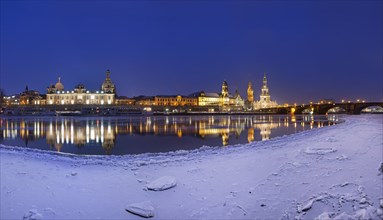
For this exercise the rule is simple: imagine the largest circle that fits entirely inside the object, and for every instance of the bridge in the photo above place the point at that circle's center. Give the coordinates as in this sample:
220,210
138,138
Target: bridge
321,109
318,108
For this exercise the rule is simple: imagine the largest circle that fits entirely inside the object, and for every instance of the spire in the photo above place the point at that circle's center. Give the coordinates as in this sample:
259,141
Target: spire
264,80
108,74
26,88
59,79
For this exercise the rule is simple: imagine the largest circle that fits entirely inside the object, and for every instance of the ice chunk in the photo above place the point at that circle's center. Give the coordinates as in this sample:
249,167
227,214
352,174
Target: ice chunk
144,209
306,207
162,183
320,151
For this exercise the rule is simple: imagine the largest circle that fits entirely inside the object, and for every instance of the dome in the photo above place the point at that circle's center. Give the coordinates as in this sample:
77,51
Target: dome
59,86
108,86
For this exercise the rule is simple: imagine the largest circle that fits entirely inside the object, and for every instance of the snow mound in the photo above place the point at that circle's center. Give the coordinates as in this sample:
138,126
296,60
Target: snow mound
344,216
320,151
144,209
32,214
162,183
324,216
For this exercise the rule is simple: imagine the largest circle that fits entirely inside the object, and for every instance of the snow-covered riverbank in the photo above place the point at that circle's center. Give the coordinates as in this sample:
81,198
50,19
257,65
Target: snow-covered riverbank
328,172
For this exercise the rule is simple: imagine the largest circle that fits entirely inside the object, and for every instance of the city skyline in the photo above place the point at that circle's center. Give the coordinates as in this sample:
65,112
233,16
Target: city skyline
309,50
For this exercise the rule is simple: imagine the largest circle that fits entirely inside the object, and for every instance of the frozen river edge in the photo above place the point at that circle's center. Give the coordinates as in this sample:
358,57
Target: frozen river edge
328,173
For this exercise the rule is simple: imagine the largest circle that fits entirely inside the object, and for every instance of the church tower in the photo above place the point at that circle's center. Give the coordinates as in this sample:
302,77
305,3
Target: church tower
225,89
108,86
250,93
264,97
225,94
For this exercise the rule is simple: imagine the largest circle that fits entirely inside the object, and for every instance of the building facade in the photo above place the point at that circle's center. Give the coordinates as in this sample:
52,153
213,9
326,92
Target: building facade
175,101
223,99
56,95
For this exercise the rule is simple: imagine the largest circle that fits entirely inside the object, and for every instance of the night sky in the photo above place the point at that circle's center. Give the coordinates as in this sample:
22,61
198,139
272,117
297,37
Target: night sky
310,50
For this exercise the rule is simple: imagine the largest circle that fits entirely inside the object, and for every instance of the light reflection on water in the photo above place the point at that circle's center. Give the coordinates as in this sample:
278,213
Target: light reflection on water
133,135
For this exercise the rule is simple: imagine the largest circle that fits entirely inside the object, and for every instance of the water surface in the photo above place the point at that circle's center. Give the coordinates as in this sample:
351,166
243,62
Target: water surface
141,134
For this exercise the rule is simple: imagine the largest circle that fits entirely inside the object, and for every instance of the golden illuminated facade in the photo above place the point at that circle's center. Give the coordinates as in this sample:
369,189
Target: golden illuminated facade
80,95
250,93
123,100
264,98
225,94
144,100
175,101
223,99
209,99
27,97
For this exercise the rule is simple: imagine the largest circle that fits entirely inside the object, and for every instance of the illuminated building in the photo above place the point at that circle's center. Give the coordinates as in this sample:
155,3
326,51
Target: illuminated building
28,96
225,94
223,99
144,100
12,100
208,99
264,98
250,93
123,100
80,96
249,103
237,100
175,100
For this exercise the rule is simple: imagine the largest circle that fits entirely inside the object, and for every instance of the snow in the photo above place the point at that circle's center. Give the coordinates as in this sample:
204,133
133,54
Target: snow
162,183
327,173
144,209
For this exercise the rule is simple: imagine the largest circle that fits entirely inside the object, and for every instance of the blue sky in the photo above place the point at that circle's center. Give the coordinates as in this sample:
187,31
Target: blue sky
310,50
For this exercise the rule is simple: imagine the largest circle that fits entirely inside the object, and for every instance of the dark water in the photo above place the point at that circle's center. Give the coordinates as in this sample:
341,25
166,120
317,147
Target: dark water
141,134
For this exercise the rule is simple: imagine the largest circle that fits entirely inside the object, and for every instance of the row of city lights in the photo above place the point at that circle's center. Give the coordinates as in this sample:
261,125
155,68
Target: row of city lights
63,92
